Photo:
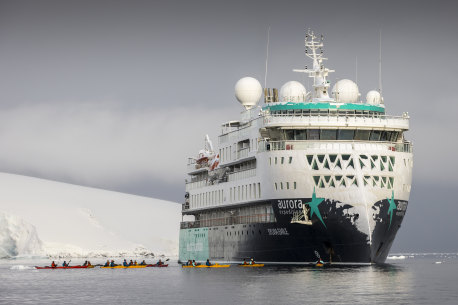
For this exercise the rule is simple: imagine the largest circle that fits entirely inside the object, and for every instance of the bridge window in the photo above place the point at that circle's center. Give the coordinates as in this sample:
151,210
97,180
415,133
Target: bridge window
313,134
328,134
345,134
362,135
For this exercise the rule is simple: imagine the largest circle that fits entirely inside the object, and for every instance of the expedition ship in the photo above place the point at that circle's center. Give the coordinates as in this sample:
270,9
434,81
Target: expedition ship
308,175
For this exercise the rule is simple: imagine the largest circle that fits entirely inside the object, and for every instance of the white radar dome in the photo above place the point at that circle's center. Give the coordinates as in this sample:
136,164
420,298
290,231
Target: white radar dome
292,91
373,97
345,91
248,91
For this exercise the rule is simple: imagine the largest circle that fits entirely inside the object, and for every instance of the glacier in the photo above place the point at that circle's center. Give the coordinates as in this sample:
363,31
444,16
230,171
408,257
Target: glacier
54,219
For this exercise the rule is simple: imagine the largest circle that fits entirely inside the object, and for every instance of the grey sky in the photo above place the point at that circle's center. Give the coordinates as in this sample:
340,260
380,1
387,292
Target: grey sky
116,94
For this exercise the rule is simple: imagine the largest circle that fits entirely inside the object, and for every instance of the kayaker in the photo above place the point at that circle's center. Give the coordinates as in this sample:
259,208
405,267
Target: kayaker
244,262
252,261
135,263
85,264
64,264
124,263
143,263
89,264
208,262
53,264
194,263
131,263
189,263
113,263
159,262
107,264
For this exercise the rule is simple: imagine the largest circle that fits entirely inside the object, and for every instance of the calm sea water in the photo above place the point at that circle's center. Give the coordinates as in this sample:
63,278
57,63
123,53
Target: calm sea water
416,279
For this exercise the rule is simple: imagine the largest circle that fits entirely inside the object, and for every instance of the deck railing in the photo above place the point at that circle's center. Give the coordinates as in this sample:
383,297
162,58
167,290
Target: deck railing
304,145
228,221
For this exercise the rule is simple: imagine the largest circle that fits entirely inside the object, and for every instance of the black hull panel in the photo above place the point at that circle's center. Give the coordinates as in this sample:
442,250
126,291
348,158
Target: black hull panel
336,232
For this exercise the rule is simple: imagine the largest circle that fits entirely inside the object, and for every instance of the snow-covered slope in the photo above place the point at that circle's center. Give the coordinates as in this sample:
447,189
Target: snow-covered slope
76,220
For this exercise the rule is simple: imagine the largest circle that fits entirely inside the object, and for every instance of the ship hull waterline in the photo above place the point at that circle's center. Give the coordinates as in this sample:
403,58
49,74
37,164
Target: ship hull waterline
338,233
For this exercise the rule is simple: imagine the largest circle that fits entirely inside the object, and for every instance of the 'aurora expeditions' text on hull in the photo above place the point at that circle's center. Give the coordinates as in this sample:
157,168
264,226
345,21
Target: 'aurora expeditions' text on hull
309,174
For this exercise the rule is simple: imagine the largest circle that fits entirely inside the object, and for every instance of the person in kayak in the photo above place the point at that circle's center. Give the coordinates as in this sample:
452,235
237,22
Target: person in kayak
208,262
53,264
124,263
89,264
194,263
189,263
85,264
64,264
107,264
135,263
112,264
159,262
131,263
252,262
244,262
143,263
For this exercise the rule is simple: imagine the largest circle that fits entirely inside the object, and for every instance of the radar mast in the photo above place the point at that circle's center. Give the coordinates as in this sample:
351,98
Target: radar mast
314,50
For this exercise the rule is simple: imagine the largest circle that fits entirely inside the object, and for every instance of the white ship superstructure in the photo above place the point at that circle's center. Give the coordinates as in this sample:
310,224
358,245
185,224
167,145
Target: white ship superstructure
308,174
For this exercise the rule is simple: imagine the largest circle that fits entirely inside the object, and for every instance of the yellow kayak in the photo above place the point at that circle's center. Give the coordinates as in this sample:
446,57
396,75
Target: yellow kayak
205,266
253,265
123,267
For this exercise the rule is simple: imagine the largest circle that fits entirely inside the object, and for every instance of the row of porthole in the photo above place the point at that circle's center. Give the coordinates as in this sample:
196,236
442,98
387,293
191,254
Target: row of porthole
237,233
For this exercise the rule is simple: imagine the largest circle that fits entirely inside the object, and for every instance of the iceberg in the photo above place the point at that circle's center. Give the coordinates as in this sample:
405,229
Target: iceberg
18,237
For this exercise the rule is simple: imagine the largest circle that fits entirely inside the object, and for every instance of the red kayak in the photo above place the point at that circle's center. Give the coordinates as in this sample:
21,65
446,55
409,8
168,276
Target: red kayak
69,267
156,265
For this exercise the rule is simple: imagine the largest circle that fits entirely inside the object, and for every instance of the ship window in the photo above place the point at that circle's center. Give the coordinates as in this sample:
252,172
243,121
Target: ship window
282,160
309,159
375,135
275,160
394,136
328,134
294,184
276,186
315,165
290,160
287,185
332,184
321,184
386,135
327,178
313,134
270,161
281,185
326,164
289,134
345,134
332,158
391,181
320,158
392,159
338,164
362,135
338,177
300,134
316,179
350,164
259,190
345,157
361,163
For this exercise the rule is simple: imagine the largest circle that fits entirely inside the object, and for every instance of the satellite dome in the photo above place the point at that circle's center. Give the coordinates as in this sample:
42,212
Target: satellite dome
345,91
248,91
373,97
292,91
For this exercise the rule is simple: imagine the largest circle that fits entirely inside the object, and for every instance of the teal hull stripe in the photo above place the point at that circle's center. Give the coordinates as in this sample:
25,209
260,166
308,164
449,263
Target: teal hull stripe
194,244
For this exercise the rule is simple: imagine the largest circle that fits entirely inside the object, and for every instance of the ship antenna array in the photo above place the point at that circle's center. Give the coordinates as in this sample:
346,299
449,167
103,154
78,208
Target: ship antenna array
314,50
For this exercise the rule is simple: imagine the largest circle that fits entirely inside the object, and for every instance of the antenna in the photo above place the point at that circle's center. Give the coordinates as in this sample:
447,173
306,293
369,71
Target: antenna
380,65
356,70
267,56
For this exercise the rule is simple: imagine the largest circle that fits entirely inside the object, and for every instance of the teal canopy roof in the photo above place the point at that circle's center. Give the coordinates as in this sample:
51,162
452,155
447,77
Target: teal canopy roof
349,106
